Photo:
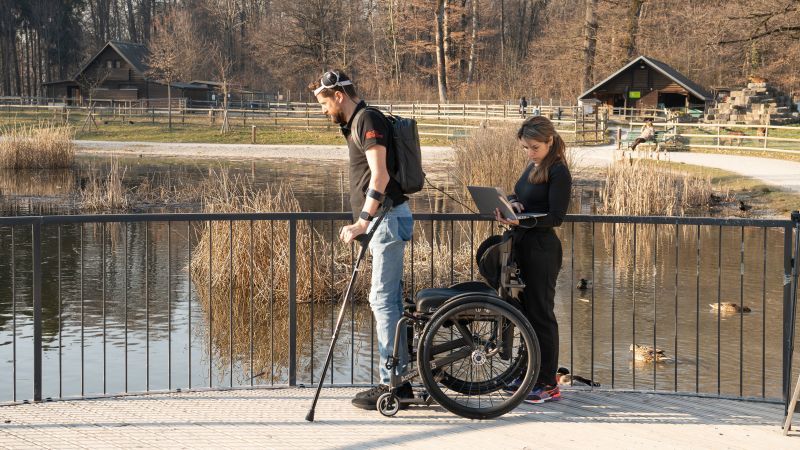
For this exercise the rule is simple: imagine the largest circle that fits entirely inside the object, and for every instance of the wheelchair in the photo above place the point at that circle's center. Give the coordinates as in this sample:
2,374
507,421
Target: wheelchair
474,351
471,343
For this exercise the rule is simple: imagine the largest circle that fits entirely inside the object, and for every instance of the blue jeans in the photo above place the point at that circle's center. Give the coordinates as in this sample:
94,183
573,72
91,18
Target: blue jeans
386,295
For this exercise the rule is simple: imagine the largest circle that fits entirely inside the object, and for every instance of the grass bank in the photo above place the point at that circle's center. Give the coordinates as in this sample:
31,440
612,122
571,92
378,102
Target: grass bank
766,200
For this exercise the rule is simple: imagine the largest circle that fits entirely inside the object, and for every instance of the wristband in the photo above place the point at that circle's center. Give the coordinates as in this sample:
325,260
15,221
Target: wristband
366,216
372,193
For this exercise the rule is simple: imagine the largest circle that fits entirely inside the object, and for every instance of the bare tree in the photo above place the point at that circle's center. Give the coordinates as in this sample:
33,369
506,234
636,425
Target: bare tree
223,68
473,42
768,18
589,43
164,59
634,12
89,80
441,70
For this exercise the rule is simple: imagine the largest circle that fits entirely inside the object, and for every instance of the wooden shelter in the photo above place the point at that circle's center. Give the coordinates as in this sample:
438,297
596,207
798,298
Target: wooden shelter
119,72
648,83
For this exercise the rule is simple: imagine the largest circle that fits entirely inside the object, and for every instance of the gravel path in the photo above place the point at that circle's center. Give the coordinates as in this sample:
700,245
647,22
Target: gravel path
777,172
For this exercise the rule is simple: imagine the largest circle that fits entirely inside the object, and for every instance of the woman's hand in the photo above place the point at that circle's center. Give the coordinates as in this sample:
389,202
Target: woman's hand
499,217
517,206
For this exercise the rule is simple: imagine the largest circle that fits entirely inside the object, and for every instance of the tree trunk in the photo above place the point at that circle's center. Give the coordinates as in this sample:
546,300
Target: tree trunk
521,44
472,42
131,22
441,74
446,38
394,42
169,104
503,33
589,43
634,11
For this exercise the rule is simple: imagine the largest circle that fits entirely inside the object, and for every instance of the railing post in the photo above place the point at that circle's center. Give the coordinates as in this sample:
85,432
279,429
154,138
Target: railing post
36,247
292,301
791,254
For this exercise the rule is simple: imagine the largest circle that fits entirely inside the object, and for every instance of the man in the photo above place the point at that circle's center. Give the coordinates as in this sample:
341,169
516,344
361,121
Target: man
371,164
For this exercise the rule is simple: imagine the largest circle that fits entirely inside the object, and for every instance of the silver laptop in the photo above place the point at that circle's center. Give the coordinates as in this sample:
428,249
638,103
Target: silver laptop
487,199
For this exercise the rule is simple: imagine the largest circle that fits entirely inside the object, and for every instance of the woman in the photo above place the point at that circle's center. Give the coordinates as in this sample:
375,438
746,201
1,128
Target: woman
647,134
545,187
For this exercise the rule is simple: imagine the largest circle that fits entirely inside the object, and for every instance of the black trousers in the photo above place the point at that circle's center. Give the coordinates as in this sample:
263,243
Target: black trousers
538,254
638,141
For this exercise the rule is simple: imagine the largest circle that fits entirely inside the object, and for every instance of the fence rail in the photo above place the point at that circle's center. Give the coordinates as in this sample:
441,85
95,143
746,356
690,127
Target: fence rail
755,138
443,120
72,281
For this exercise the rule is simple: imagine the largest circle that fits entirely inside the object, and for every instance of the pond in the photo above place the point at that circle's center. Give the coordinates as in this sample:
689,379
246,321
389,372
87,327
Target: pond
121,312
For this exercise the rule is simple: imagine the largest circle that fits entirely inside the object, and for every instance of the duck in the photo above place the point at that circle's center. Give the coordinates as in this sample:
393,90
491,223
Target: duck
584,284
728,307
648,353
744,206
563,377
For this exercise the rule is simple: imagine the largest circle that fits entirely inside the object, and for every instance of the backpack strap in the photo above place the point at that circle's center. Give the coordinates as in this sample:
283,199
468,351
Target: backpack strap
354,130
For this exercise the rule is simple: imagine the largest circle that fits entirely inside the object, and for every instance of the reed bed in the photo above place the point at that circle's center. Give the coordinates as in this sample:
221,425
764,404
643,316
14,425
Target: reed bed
641,188
105,193
45,146
229,267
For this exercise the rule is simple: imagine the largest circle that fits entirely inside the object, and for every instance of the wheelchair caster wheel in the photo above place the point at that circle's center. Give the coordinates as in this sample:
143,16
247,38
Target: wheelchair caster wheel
388,404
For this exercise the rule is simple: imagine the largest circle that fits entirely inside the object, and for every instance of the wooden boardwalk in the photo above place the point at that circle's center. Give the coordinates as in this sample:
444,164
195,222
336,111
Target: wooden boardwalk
274,418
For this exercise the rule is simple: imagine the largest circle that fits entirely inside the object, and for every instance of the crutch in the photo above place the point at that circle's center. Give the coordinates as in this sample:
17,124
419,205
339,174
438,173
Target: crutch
364,240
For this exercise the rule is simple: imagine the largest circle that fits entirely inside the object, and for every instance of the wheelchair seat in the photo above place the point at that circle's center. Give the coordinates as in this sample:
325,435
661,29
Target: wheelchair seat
428,300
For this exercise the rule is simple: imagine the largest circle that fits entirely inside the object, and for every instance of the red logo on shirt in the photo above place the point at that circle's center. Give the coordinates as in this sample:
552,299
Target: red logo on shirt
373,134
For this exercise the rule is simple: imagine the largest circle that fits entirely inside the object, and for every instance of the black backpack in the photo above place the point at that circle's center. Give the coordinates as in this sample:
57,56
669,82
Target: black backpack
408,153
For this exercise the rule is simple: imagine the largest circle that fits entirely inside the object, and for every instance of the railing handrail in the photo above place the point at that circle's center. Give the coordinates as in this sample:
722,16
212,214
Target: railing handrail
236,216
791,247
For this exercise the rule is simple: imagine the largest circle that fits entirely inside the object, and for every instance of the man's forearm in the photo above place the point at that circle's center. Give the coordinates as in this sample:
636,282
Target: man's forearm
377,183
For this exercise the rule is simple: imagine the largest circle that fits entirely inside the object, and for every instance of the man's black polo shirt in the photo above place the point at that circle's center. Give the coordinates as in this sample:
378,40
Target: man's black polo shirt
374,130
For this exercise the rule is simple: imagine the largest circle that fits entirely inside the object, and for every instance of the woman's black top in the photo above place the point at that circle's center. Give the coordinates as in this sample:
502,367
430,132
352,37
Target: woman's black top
551,197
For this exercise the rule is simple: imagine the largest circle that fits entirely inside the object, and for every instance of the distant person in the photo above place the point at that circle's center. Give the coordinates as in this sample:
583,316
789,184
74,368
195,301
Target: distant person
523,106
648,133
536,111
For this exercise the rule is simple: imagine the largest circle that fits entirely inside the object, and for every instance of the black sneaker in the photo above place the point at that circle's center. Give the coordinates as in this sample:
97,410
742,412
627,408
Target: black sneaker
369,399
373,391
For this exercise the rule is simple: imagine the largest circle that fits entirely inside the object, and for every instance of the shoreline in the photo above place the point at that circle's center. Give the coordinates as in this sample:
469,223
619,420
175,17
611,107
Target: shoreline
253,151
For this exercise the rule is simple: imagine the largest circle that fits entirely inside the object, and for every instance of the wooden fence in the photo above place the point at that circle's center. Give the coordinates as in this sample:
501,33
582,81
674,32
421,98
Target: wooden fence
755,138
440,120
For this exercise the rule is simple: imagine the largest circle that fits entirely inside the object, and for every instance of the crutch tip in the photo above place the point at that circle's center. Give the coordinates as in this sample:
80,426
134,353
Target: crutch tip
310,416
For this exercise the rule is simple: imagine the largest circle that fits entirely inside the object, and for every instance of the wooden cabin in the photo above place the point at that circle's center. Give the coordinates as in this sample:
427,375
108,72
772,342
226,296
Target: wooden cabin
648,83
119,72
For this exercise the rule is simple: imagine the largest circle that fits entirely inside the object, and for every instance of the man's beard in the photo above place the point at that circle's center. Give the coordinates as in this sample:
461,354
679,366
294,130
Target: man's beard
338,118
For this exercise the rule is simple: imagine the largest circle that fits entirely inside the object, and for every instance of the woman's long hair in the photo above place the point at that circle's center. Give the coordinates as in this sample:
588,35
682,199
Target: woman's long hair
541,129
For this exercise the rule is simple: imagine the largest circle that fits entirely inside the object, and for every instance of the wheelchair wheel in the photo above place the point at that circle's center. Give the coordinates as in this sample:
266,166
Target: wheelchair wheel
461,360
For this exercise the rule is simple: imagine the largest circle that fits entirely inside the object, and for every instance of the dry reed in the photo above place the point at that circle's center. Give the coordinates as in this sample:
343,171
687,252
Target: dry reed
226,262
104,193
640,187
45,146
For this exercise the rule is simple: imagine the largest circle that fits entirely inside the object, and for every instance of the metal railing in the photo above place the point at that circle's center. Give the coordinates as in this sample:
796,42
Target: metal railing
649,274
